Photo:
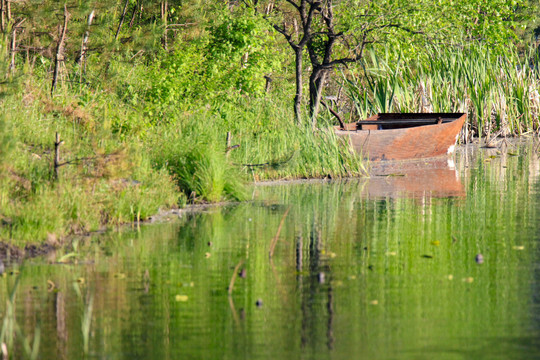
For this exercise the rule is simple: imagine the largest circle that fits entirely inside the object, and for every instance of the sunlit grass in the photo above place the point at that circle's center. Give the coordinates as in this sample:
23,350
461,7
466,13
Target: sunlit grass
500,93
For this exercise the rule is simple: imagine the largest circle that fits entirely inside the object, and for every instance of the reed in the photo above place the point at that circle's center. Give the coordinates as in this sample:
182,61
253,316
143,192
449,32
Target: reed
499,92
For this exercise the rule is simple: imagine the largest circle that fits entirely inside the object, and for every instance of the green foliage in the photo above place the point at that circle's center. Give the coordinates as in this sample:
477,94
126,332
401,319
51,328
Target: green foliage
496,91
240,52
232,58
414,23
200,168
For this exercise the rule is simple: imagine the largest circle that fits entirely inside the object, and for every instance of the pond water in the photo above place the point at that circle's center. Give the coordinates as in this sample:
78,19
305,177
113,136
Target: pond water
410,264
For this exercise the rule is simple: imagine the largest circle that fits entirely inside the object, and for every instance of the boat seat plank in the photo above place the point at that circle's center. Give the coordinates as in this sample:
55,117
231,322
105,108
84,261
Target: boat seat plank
403,121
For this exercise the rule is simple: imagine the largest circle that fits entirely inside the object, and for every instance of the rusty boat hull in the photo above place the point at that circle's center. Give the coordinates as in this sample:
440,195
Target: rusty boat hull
392,136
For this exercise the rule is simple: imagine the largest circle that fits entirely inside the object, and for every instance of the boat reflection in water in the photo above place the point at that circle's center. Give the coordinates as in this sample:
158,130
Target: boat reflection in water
414,179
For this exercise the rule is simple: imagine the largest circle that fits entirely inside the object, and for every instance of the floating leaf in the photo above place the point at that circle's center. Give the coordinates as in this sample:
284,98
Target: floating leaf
468,279
374,302
512,153
518,247
391,253
181,298
450,277
207,255
436,243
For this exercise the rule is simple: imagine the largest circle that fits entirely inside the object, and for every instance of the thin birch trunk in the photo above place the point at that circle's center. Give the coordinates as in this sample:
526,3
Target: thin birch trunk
59,58
84,45
13,47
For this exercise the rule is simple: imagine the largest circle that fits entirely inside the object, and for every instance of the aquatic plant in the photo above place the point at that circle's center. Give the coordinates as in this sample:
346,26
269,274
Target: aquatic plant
499,92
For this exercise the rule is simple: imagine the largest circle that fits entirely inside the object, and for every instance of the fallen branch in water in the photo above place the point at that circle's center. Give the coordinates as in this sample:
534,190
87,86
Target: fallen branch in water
233,278
275,239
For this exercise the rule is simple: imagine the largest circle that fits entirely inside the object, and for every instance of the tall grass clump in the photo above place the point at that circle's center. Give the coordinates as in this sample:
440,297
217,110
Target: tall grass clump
200,168
499,92
271,146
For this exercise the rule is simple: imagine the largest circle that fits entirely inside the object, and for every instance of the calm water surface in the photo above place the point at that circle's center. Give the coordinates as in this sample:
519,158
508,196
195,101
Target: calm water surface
380,268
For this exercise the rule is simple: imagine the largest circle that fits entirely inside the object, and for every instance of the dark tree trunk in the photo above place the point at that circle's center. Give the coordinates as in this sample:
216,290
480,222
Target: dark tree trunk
298,96
164,15
316,84
3,15
121,20
135,8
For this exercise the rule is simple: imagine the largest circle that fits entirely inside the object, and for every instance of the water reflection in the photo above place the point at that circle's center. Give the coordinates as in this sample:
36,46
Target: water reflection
417,179
354,274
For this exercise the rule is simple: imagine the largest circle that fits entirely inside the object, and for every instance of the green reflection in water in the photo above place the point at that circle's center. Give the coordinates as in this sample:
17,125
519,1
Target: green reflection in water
353,276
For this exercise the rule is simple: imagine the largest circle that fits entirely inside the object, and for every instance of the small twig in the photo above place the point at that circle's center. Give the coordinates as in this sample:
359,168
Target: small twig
228,146
234,313
57,164
253,165
181,25
268,163
79,160
233,278
275,239
137,53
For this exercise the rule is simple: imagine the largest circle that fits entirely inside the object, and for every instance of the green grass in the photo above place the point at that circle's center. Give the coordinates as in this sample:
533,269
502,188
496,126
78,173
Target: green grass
127,159
500,93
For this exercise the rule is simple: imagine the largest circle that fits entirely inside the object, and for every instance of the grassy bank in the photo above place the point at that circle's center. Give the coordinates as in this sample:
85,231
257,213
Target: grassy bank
121,161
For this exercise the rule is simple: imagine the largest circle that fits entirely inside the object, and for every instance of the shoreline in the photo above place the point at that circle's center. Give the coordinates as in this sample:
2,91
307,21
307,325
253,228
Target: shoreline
10,253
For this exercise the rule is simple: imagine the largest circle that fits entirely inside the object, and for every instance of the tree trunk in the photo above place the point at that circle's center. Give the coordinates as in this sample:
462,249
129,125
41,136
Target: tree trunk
13,50
316,84
84,46
59,58
164,13
121,20
135,8
3,15
298,96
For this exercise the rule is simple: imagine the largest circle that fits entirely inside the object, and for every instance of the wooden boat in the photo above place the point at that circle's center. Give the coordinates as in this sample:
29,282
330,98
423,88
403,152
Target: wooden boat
392,136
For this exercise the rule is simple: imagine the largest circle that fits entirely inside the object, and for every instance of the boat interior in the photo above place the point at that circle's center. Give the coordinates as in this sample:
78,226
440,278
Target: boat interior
386,121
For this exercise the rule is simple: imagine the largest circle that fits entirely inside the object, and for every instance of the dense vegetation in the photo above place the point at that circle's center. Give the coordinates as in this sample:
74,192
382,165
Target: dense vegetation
150,98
